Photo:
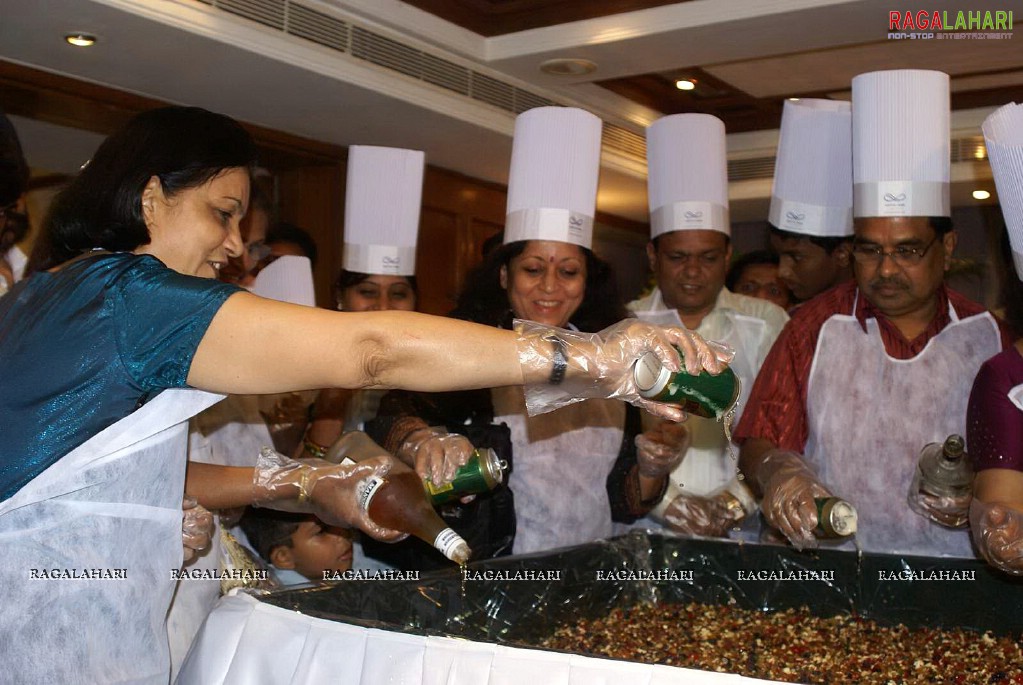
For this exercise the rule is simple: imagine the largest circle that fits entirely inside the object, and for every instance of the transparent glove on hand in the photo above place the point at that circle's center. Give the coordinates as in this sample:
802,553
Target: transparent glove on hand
315,486
435,453
660,449
708,516
789,488
997,531
953,512
196,527
599,365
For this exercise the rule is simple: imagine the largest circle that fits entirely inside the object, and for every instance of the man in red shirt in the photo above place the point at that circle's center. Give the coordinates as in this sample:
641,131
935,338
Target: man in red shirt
869,372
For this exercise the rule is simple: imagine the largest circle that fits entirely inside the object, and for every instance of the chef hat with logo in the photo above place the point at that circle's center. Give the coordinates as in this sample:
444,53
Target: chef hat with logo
901,143
1003,135
552,184
288,279
812,192
382,200
687,179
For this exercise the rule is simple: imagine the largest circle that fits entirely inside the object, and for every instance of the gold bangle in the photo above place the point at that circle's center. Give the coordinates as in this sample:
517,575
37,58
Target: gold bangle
318,451
303,485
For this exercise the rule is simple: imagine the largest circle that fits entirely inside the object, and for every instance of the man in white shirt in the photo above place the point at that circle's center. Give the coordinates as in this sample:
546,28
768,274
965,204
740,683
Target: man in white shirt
689,253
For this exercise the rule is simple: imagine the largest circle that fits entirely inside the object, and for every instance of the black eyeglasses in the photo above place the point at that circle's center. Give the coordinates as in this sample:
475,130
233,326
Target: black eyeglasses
901,255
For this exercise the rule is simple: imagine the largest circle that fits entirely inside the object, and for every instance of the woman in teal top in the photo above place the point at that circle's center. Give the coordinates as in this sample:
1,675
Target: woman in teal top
125,304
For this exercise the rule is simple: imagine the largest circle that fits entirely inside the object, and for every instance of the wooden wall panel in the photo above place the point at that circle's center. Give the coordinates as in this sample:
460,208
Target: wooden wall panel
311,198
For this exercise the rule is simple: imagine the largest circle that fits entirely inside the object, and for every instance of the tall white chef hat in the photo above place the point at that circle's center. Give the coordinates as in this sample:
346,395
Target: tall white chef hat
552,184
901,143
687,179
812,192
1003,135
385,190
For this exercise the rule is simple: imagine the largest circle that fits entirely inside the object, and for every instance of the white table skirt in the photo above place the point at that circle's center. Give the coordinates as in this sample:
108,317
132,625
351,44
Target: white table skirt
248,642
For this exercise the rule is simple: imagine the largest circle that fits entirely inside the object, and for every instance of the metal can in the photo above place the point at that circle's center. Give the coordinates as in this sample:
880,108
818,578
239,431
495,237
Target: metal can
482,473
703,395
836,518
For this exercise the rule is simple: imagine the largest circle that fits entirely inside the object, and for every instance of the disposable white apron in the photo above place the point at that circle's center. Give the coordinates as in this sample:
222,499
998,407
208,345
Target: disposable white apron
869,416
110,507
230,433
708,466
562,460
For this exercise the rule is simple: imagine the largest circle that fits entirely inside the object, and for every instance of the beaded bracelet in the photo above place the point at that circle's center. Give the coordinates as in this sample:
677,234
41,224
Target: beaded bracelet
318,451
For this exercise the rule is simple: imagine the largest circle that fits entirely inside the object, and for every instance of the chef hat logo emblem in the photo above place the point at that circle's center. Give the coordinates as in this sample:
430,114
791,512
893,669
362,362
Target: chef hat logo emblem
795,216
575,221
694,215
892,197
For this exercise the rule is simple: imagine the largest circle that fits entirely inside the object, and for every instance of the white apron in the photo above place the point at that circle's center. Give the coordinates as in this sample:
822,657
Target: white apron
707,466
112,506
562,460
230,433
869,416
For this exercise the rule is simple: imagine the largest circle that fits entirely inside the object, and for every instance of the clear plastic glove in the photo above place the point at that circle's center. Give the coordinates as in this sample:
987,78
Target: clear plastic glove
953,512
318,487
997,531
599,365
435,453
660,449
789,488
196,527
709,516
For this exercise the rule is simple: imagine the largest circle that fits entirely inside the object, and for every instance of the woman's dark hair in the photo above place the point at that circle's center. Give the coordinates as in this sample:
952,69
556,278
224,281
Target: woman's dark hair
483,300
748,259
284,232
184,147
346,279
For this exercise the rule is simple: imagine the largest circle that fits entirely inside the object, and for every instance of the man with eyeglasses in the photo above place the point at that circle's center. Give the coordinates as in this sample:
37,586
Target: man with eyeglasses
689,253
868,373
14,225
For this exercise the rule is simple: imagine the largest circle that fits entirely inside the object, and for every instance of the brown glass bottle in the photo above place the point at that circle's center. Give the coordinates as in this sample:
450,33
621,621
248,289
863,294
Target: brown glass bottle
398,501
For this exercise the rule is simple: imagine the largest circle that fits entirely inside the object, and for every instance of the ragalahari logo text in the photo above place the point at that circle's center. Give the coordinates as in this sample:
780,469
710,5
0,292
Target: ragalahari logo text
924,24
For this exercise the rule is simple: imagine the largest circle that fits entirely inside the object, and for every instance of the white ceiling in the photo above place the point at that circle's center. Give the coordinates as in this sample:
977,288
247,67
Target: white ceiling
186,51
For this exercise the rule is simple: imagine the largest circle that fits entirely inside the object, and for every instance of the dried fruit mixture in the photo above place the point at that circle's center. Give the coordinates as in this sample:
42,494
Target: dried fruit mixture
794,646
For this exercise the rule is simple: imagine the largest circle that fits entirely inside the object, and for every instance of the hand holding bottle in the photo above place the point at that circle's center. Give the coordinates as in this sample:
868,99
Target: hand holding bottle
599,365
436,454
942,485
330,491
789,488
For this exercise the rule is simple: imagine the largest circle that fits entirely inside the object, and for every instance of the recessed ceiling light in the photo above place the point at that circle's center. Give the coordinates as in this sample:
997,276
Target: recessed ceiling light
981,194
793,99
685,84
565,66
80,40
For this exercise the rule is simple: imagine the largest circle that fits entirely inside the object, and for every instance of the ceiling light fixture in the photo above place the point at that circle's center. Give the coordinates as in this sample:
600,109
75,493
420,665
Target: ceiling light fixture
685,84
793,99
567,66
981,194
80,40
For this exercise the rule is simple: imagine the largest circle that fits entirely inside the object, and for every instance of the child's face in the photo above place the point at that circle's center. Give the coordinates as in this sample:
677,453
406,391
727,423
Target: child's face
316,547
